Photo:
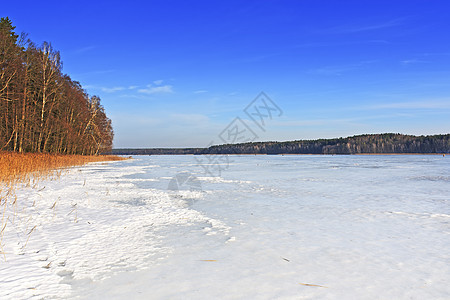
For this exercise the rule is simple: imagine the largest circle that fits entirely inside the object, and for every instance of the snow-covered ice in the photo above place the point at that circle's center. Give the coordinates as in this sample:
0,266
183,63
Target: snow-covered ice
270,227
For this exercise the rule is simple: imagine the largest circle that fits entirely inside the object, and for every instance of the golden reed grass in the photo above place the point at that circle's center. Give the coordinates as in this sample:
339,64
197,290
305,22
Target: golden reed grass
29,169
21,168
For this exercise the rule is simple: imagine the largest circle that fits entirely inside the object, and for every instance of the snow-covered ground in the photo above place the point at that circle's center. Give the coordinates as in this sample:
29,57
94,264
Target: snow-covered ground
269,227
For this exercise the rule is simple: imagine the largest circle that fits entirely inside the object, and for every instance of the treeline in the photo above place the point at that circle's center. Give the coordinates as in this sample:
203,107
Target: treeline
370,143
158,151
43,109
359,144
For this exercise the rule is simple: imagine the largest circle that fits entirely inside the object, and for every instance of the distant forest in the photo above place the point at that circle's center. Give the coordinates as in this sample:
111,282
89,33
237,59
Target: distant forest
359,144
42,109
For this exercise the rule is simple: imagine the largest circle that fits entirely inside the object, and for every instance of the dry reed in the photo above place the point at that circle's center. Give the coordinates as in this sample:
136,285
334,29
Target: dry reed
29,169
21,168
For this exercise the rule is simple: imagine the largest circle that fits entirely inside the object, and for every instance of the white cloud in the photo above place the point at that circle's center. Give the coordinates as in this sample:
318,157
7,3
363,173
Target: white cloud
112,90
156,89
158,82
200,92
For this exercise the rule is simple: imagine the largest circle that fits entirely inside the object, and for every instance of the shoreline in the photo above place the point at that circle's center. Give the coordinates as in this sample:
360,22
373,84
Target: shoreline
22,167
283,154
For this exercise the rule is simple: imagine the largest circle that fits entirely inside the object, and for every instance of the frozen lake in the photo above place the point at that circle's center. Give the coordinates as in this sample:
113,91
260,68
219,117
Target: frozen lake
269,227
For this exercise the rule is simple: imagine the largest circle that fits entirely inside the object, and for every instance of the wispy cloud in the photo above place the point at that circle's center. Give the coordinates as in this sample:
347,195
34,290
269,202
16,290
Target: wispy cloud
158,82
413,61
200,92
435,54
262,57
83,49
332,70
163,89
339,69
431,104
112,89
355,28
133,96
339,43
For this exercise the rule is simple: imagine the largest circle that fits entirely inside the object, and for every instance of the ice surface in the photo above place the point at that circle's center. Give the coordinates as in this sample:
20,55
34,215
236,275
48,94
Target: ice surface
286,227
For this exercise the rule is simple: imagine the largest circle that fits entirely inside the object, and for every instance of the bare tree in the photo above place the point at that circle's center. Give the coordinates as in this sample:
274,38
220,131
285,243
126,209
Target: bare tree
41,109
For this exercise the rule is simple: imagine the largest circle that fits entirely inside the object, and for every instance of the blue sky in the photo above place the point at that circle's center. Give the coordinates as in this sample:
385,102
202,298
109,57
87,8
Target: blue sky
176,73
